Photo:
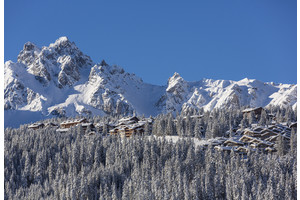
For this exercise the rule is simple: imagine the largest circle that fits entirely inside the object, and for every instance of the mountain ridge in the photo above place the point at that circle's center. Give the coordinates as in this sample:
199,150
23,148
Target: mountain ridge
59,80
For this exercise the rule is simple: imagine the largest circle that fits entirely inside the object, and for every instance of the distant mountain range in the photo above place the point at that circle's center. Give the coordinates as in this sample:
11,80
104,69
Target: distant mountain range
59,80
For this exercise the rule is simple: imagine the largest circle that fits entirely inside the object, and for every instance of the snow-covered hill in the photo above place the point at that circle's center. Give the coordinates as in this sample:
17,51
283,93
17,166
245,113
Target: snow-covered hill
59,80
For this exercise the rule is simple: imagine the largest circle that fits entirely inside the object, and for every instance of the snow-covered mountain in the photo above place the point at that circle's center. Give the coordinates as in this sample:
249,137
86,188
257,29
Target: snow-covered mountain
60,80
209,94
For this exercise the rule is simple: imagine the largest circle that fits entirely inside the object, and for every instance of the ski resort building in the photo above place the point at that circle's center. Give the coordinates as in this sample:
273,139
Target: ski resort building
131,125
36,126
51,124
257,138
68,124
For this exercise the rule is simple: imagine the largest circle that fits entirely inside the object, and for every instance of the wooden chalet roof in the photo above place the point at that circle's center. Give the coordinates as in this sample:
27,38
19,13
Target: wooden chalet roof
261,144
272,138
36,125
251,132
82,120
51,124
244,149
235,142
258,128
268,133
138,125
250,139
129,119
247,138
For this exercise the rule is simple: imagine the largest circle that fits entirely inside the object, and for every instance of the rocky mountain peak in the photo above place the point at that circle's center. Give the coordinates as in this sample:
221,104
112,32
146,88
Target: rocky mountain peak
176,83
174,77
62,42
61,62
29,53
29,46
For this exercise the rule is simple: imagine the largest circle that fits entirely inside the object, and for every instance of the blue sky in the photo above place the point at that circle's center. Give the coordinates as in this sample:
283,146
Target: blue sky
216,39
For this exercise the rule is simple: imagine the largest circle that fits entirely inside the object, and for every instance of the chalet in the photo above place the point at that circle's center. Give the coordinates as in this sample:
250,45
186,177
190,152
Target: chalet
36,126
276,130
232,143
68,124
271,126
266,133
258,128
258,138
244,150
128,130
272,138
255,140
250,132
247,139
261,145
131,125
51,124
128,120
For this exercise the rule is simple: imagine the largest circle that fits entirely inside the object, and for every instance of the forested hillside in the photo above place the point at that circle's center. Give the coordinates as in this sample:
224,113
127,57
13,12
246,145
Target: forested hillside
44,164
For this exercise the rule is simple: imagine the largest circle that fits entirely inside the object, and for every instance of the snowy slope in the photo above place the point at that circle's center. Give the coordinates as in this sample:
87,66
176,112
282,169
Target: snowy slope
59,80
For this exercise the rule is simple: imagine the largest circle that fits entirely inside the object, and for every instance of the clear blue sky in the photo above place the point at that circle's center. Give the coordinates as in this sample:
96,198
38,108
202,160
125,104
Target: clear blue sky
217,39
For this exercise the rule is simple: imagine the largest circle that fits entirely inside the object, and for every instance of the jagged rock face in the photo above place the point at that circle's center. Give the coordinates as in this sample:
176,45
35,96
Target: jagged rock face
69,73
210,94
107,93
16,94
60,61
30,56
29,53
176,93
59,80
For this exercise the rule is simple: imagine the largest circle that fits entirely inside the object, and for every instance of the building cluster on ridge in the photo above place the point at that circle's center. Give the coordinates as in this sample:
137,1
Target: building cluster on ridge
124,127
244,139
257,138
